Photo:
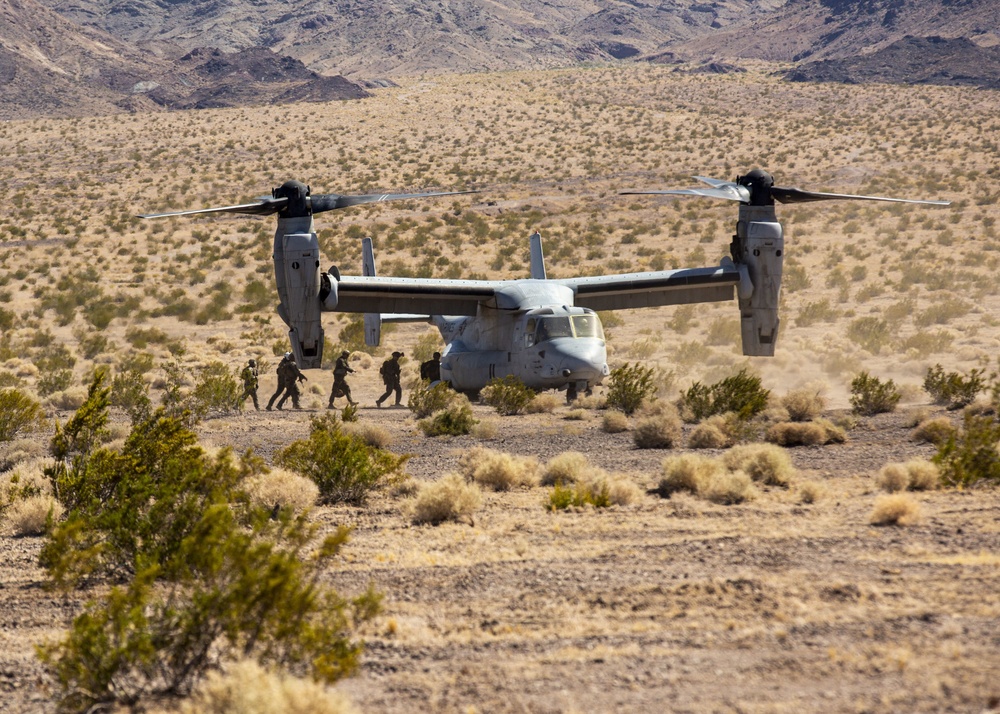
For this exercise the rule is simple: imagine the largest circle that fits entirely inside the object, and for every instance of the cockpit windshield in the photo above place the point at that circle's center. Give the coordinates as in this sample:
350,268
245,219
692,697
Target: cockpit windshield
547,328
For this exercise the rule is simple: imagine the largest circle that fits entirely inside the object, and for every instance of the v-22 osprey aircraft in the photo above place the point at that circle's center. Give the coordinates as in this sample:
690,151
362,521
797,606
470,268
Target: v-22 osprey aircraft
543,331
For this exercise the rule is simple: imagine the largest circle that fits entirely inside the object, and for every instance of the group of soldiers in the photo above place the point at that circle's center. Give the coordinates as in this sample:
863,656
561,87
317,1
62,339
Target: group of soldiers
290,376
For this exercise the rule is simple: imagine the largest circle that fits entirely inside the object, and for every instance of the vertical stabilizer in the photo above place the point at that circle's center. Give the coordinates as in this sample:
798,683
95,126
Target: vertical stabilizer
373,320
537,258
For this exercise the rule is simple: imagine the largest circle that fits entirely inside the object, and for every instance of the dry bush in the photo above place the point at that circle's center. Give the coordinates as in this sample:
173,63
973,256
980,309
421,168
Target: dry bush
498,470
764,463
591,401
897,509
794,433
68,399
21,450
567,467
28,517
804,404
26,478
660,429
485,429
614,422
450,498
728,487
575,415
687,472
618,489
543,403
811,491
280,487
248,688
916,416
936,430
710,434
372,434
914,475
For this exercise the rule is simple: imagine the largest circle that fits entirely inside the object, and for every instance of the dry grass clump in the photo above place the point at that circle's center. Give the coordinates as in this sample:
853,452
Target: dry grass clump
498,470
450,498
765,463
567,467
805,433
614,422
659,427
710,434
67,400
543,403
280,487
28,477
485,429
706,478
897,509
248,688
914,475
811,491
728,487
29,516
20,450
936,430
372,434
804,404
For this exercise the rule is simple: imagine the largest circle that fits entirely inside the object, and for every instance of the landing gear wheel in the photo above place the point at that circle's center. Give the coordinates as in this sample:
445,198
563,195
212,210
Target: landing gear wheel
571,393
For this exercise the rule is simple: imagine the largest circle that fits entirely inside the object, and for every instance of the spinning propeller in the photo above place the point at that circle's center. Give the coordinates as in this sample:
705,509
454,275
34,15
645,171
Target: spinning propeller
757,189
294,199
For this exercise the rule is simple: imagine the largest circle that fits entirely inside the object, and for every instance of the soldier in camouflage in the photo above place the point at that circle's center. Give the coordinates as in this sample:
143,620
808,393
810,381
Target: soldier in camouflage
288,378
249,377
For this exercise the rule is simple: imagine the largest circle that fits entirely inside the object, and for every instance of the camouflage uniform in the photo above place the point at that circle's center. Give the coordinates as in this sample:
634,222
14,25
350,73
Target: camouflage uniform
288,378
431,369
249,377
390,378
340,386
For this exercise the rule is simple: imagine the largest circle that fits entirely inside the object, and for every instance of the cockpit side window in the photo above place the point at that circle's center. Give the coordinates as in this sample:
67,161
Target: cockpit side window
529,332
551,327
588,326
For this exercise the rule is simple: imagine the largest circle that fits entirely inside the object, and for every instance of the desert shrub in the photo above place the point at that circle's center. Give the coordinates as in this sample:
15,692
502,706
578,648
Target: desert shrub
914,475
657,431
936,430
508,396
373,434
710,434
544,403
31,516
895,510
497,470
425,400
728,487
578,495
19,414
811,491
814,312
970,455
450,498
247,688
614,422
808,433
129,391
687,472
740,393
619,488
869,333
485,429
803,404
52,381
764,463
567,467
953,389
216,389
629,386
278,488
870,395
348,415
345,468
92,343
454,420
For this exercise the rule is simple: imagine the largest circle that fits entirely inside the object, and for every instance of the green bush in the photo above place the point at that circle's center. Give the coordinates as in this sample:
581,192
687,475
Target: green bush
216,390
129,391
508,396
344,466
953,389
971,455
578,495
870,395
454,420
19,413
424,400
629,386
870,333
740,394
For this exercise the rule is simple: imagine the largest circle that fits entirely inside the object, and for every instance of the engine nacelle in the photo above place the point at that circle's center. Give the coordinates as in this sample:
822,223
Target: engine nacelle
760,245
297,275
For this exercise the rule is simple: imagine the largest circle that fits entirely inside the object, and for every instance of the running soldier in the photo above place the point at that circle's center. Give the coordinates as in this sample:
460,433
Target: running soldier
288,378
340,386
390,378
249,377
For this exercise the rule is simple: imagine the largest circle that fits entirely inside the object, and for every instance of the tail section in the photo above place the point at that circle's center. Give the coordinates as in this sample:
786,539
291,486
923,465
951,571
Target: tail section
373,320
537,258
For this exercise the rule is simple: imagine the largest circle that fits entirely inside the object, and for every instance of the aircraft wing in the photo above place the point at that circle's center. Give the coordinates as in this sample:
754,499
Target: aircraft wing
422,296
651,289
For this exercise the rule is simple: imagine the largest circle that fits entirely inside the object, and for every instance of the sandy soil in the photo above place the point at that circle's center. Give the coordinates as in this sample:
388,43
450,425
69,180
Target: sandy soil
666,605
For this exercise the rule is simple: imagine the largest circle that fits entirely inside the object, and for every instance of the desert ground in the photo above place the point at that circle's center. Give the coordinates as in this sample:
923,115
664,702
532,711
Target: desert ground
673,604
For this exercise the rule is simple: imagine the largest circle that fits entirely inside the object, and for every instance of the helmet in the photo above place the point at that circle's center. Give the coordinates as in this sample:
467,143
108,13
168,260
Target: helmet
345,353
397,354
252,363
288,355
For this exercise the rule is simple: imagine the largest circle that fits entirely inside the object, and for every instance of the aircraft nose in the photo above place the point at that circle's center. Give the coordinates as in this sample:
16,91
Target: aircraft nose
583,361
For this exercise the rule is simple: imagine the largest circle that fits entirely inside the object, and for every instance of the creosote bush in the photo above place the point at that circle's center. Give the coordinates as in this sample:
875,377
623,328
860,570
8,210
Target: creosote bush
450,498
454,420
741,394
508,396
19,414
343,465
953,389
629,386
870,395
425,400
970,455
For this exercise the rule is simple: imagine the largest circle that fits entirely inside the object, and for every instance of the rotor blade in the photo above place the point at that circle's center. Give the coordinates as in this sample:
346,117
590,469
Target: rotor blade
717,183
264,207
729,192
797,195
332,201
